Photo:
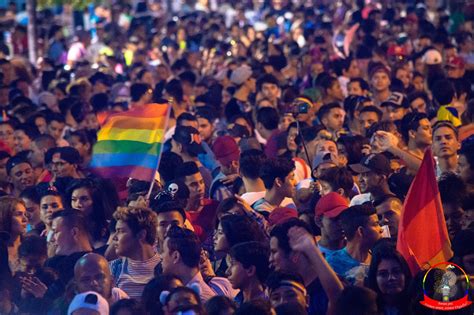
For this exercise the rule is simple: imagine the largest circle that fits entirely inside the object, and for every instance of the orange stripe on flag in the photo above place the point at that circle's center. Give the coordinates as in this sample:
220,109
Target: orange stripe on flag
147,111
137,123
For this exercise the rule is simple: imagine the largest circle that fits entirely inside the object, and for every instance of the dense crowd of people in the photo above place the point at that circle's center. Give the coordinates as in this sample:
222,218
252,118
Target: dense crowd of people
295,132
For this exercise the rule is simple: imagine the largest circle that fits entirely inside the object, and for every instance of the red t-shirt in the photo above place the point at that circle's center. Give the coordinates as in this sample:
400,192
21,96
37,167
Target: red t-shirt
203,221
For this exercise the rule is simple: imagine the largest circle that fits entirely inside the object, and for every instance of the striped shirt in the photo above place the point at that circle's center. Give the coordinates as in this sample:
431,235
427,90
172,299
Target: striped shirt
131,276
205,291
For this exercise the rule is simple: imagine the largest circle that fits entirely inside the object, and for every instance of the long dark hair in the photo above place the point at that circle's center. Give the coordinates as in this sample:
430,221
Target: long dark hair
104,203
388,252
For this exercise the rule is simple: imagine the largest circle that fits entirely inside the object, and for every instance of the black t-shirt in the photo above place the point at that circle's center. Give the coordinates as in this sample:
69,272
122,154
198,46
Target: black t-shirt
318,300
399,183
64,265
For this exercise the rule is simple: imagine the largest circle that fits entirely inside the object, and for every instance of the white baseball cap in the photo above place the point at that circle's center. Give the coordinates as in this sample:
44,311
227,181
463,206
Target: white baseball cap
432,57
241,74
89,300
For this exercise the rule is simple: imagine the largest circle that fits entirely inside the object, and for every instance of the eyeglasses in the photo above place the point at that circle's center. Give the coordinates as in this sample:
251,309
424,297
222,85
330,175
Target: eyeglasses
385,274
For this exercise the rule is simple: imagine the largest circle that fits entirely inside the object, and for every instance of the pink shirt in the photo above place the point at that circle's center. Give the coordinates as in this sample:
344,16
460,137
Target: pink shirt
77,52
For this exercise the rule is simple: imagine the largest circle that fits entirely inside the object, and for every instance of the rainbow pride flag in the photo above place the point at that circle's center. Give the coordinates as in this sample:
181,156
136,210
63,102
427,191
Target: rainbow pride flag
129,144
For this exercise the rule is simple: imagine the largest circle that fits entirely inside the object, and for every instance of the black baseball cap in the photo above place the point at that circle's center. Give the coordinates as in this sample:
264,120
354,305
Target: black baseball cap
376,163
396,99
16,160
178,189
189,138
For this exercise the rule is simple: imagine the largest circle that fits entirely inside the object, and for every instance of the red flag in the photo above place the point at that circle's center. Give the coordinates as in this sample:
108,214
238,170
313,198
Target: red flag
422,235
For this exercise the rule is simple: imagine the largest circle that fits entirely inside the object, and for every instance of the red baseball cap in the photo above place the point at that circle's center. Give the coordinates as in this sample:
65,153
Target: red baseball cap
455,62
331,205
281,215
226,150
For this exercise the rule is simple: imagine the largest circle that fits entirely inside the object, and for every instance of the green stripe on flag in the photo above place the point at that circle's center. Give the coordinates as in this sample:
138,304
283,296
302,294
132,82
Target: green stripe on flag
125,146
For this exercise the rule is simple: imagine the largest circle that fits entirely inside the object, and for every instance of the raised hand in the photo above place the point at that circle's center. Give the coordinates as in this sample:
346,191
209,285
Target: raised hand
386,140
301,240
229,179
366,149
243,203
205,265
34,286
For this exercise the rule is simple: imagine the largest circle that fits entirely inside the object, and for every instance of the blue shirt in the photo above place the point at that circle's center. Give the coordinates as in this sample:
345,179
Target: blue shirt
326,251
347,267
218,191
208,159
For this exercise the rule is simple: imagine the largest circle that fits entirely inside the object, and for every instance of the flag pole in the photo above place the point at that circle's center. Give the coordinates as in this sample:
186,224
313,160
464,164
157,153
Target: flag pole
159,154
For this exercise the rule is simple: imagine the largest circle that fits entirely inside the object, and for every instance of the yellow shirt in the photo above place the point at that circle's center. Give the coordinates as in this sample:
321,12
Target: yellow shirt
450,114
